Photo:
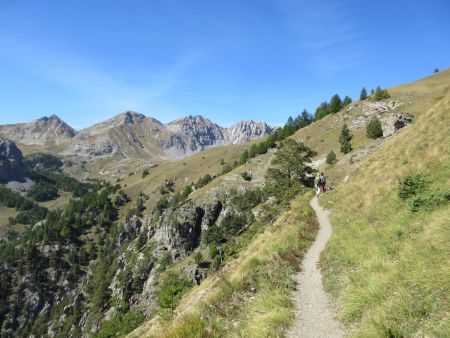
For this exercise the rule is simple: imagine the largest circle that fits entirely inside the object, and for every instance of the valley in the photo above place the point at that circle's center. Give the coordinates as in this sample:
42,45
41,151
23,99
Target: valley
188,229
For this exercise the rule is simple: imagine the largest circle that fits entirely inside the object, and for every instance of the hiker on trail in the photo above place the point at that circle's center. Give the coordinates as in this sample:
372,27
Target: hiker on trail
316,185
331,186
322,182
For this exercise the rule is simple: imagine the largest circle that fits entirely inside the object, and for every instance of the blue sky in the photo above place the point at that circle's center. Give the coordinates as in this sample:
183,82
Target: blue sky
226,60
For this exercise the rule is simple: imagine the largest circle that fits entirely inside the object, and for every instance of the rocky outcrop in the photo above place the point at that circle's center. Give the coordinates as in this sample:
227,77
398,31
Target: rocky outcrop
12,164
44,131
245,131
179,230
394,122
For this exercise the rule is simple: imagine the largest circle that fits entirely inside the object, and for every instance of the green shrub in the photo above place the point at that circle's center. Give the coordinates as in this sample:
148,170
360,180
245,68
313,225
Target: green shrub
379,94
172,289
120,324
429,200
374,129
412,185
165,261
198,258
331,157
145,173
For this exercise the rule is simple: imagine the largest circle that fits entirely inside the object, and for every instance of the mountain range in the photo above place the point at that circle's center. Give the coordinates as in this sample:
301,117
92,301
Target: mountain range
131,135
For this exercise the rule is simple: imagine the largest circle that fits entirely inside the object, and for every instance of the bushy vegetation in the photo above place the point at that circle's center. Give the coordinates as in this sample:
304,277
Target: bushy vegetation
379,94
43,191
29,211
331,157
374,129
333,107
414,188
412,185
172,289
120,324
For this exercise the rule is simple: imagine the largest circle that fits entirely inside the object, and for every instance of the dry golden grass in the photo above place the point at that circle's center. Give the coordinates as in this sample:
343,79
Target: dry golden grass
390,267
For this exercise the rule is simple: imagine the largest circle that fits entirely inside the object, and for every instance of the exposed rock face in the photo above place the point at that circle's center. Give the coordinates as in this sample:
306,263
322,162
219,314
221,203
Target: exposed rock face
194,133
394,122
245,131
12,165
44,131
391,121
180,230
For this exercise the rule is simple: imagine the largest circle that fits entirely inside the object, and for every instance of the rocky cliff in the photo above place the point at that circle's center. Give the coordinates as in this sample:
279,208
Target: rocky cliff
12,165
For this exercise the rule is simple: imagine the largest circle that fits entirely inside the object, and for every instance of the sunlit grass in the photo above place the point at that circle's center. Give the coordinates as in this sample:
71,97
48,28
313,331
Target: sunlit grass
390,267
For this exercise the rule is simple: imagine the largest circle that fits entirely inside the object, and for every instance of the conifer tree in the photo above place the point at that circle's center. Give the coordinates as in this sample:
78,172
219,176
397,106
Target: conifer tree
244,157
335,104
344,140
363,94
347,100
321,111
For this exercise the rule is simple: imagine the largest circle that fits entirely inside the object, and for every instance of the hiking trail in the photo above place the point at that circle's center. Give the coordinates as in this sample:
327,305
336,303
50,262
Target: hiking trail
316,314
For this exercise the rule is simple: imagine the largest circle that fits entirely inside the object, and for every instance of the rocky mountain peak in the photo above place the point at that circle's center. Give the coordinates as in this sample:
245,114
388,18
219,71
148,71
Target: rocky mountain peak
130,117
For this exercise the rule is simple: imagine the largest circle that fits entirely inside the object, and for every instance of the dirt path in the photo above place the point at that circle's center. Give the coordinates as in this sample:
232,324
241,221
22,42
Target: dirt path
316,316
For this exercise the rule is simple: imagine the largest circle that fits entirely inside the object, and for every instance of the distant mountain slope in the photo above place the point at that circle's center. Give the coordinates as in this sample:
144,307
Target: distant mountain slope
44,131
128,137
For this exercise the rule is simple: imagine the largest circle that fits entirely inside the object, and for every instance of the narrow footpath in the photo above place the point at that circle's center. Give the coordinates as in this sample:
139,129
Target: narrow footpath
316,313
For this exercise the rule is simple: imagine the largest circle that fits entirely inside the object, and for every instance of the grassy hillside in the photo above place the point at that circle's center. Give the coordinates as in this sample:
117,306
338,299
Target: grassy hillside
414,98
182,172
388,265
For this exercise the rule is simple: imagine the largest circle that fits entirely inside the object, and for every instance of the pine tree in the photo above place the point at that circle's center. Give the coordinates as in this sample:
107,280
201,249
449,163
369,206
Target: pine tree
344,140
321,111
335,104
347,100
244,157
290,120
363,94
374,129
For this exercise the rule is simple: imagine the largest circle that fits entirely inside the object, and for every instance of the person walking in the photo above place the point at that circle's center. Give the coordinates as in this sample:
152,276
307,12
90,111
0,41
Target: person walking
322,182
316,185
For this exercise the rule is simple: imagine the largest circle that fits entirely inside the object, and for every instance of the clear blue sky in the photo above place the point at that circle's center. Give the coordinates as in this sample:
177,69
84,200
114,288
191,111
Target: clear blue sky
227,60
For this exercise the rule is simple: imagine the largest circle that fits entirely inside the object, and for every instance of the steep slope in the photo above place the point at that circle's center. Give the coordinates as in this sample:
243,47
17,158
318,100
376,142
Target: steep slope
46,131
388,261
12,165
